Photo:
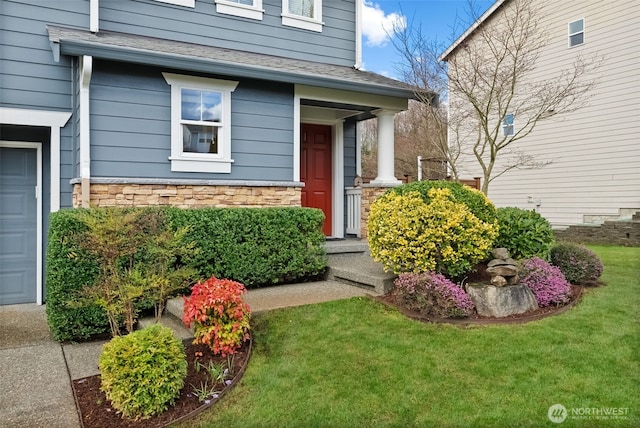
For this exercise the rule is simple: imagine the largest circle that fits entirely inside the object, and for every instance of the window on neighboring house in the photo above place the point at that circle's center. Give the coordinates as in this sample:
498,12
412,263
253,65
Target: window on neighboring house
576,33
187,3
251,9
507,125
306,14
200,123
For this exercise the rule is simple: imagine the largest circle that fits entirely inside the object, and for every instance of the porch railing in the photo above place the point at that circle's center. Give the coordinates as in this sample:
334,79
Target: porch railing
354,200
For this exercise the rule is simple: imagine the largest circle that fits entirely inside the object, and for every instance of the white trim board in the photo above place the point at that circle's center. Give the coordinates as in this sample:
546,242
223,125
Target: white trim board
51,119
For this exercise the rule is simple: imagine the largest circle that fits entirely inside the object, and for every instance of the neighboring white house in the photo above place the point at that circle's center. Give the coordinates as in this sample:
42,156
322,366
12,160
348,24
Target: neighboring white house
594,153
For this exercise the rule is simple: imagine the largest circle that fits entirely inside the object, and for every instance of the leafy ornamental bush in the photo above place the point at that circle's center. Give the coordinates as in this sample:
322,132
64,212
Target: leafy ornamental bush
435,230
579,264
546,281
524,233
476,201
142,373
219,314
137,253
431,293
254,246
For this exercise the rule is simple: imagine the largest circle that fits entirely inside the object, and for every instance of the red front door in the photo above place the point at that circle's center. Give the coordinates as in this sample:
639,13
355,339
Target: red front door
315,170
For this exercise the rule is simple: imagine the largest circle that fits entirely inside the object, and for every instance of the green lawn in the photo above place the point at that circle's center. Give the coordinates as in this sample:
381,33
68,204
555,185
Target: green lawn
356,363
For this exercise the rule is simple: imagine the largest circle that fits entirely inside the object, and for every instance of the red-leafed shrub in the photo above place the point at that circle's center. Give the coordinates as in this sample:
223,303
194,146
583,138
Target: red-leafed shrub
546,281
219,314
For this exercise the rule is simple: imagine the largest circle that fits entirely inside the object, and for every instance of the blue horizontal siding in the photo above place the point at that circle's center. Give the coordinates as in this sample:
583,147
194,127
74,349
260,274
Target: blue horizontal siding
29,77
203,25
131,126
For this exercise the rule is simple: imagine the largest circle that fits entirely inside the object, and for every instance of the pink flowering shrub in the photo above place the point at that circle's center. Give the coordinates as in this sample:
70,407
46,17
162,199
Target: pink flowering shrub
431,293
546,281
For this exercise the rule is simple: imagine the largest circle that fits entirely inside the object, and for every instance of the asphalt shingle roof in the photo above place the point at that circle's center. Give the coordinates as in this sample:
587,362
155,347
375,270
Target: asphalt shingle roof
204,58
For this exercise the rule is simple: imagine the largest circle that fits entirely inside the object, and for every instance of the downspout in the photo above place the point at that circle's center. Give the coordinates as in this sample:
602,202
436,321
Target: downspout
86,68
94,20
358,63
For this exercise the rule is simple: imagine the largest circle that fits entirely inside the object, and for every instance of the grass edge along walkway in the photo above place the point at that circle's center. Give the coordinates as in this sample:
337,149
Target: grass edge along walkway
356,363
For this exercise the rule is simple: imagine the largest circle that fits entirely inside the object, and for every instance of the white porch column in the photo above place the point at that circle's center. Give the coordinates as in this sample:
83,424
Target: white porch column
386,155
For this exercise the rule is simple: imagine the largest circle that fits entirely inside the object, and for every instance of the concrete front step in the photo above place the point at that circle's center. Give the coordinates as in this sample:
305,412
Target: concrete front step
359,270
171,321
346,246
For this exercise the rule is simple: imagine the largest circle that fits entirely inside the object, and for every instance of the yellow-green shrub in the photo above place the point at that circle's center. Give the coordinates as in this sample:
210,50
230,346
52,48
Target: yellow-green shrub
412,232
143,372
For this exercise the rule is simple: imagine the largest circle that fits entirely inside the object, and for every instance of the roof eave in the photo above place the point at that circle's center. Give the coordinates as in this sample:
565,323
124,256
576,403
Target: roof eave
211,66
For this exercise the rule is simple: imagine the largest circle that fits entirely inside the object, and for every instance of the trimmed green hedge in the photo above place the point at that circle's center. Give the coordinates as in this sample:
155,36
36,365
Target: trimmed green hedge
254,246
69,267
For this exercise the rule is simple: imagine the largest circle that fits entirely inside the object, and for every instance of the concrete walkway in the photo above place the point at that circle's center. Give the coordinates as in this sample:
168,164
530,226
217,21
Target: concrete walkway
36,371
35,389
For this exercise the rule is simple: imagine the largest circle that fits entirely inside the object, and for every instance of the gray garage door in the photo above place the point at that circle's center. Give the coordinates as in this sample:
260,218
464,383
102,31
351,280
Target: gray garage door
18,214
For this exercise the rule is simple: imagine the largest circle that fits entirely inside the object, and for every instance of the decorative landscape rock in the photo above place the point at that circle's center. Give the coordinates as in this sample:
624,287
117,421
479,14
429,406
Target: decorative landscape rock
502,268
500,253
492,301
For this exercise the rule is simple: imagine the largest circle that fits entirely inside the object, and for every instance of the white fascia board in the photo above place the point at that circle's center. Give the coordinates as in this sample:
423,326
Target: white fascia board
350,97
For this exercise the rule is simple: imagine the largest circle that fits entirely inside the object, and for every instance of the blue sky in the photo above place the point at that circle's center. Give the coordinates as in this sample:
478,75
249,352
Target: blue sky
437,18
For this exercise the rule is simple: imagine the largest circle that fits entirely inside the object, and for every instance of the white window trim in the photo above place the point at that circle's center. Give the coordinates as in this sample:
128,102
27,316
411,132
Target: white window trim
227,7
185,3
575,33
311,24
200,162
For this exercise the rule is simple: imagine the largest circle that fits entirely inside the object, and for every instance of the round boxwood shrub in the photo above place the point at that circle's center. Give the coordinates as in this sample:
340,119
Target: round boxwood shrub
431,226
546,281
143,372
431,293
579,264
524,233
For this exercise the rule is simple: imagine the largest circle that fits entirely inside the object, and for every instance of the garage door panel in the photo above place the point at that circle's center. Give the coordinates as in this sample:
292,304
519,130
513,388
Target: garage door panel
15,245
18,225
12,281
14,204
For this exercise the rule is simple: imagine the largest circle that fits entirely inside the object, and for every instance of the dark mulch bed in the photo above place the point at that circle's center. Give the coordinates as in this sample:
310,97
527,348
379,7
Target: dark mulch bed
474,318
96,411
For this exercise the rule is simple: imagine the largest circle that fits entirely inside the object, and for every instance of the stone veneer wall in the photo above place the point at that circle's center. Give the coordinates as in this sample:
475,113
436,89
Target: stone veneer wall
188,195
369,194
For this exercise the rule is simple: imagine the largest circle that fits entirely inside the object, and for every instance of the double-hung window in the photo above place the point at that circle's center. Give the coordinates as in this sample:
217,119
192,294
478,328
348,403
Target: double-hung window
576,33
200,123
251,9
508,125
305,14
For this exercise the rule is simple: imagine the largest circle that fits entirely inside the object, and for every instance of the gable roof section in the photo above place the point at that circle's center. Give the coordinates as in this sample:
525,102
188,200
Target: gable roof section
213,60
444,55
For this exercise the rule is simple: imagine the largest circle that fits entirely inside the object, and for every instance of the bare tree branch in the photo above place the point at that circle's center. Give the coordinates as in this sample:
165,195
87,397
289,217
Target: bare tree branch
492,75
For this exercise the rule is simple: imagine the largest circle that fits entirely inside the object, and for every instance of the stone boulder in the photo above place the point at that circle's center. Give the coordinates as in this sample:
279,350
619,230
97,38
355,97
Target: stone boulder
499,302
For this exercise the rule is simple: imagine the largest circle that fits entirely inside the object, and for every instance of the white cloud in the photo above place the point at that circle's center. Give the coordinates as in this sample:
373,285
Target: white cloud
376,25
